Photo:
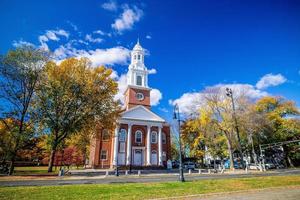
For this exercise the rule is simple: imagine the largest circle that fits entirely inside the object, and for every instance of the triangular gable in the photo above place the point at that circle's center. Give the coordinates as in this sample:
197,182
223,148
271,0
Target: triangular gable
141,113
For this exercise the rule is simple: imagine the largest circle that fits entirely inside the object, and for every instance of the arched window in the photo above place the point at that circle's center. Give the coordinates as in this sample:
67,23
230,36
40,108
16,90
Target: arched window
139,57
105,135
164,138
134,57
139,80
122,135
153,137
138,136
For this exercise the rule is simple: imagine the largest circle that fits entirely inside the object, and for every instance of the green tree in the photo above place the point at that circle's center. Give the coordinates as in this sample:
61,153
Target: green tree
282,124
20,72
73,95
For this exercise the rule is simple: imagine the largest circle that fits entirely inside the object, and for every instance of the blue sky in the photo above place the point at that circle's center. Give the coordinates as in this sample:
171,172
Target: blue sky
191,44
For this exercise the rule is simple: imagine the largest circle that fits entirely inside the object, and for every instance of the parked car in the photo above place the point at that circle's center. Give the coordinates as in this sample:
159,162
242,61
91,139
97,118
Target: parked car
189,165
253,166
270,165
236,165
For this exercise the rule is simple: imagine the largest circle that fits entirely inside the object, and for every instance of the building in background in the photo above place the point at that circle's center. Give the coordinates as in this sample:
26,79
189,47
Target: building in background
141,138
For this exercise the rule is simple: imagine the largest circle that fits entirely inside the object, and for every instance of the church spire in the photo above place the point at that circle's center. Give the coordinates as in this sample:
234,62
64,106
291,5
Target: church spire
137,72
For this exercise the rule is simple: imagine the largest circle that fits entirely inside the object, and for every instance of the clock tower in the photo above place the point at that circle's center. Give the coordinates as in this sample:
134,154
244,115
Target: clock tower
137,92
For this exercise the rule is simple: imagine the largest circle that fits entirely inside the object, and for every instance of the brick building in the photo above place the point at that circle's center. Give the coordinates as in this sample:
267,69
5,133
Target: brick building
141,138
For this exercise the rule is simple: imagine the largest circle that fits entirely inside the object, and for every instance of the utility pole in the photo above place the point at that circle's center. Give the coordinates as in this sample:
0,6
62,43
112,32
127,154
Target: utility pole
177,116
229,93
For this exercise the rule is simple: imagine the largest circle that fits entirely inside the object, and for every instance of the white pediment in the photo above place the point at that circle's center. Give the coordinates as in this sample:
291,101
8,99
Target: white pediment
141,113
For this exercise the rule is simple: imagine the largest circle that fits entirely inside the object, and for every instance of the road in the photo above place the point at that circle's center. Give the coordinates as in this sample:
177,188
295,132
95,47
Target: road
139,179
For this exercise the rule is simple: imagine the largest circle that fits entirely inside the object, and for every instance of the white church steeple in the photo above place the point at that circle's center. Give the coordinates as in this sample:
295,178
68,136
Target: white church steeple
137,72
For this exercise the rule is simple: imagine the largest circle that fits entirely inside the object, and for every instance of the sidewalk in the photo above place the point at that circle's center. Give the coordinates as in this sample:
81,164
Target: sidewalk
162,176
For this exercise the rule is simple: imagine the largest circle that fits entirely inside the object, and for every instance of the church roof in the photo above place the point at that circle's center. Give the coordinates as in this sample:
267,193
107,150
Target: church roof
138,46
141,113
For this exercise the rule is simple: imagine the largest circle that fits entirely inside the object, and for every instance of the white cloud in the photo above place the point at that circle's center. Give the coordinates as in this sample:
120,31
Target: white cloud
122,85
152,71
54,34
155,97
163,109
190,102
88,37
111,56
51,35
269,80
148,37
127,19
21,42
110,6
99,32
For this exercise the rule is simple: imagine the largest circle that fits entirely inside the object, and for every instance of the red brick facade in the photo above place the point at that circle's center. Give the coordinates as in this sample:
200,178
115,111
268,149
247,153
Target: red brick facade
98,145
131,99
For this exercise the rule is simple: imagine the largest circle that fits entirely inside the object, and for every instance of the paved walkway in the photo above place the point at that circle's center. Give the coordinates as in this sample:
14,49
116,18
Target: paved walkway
286,193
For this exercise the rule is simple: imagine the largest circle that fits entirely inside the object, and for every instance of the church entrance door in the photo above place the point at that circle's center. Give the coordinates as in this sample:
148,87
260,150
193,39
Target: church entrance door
138,157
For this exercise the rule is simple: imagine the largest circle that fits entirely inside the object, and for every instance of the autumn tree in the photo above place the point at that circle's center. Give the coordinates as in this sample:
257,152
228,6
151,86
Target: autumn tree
20,72
283,126
73,95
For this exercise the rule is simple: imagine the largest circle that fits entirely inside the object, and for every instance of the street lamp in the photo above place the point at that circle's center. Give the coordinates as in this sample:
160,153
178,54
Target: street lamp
177,116
229,93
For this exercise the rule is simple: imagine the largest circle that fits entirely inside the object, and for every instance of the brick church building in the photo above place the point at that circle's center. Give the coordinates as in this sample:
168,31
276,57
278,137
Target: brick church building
141,138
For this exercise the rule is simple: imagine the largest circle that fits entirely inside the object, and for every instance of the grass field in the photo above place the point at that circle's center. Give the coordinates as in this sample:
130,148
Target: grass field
36,170
145,190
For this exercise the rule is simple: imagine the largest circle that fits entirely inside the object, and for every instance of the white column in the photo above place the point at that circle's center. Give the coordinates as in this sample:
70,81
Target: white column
148,156
128,155
116,146
160,162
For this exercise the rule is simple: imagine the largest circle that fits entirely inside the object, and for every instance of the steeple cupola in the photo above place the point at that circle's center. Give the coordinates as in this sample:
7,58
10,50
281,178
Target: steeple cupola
138,92
137,74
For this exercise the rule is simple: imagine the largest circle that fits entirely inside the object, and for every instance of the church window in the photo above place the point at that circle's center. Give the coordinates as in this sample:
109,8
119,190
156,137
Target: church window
164,138
103,155
153,137
138,137
139,57
164,156
139,80
105,135
134,57
122,135
139,96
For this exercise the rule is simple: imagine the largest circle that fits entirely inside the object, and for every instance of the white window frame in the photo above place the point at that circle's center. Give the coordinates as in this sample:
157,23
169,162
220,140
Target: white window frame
121,139
152,134
164,156
101,154
137,81
164,138
135,137
139,96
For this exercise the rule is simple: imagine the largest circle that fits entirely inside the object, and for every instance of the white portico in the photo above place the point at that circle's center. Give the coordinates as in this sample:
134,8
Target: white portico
138,148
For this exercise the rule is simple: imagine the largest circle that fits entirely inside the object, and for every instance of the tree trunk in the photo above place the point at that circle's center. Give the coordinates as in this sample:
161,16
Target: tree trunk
51,161
230,154
12,164
253,150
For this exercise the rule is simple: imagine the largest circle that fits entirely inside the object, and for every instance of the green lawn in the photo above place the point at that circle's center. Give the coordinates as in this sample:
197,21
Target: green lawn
145,190
36,170
30,170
